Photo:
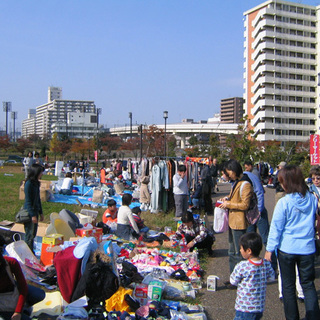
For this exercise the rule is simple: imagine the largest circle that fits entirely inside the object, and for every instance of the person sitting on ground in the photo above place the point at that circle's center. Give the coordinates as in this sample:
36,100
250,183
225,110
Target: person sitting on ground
136,212
195,233
251,276
18,305
110,215
67,185
126,226
125,174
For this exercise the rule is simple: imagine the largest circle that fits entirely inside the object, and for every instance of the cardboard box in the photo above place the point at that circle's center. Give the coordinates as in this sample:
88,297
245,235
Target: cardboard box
155,290
45,184
49,241
97,233
141,293
82,232
41,232
44,194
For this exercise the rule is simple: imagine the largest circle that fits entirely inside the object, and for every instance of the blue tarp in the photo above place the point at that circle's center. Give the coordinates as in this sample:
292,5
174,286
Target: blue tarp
87,200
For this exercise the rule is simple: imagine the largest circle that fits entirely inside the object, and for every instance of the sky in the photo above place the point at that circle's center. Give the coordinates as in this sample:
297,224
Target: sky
139,56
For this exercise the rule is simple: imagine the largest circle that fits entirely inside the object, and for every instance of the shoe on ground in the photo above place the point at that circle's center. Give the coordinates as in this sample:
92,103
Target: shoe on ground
217,189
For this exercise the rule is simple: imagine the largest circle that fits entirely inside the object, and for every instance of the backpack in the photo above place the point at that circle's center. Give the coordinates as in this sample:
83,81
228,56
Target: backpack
252,214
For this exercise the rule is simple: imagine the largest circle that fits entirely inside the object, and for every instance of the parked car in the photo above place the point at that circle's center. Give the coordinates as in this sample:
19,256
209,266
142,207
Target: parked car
11,161
15,158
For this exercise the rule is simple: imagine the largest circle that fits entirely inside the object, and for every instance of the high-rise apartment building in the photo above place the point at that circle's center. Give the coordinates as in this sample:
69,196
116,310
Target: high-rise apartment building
71,118
231,110
281,70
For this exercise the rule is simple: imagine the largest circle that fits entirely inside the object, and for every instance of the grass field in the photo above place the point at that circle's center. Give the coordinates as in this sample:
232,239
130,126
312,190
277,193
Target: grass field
10,180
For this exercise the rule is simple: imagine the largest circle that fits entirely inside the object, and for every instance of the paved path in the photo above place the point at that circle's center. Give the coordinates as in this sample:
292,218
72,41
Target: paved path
219,305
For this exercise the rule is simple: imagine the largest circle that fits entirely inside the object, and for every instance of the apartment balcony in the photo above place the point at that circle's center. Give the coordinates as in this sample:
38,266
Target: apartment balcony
262,80
263,68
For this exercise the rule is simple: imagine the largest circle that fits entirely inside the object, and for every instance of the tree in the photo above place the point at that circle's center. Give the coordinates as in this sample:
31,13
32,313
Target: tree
110,143
22,145
193,141
5,143
242,145
54,145
132,145
153,141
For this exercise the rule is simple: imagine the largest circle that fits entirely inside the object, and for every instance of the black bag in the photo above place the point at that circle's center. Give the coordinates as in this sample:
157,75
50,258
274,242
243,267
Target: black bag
23,216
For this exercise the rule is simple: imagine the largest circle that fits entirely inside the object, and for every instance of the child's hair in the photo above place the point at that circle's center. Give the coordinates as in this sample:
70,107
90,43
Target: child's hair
187,217
68,175
111,203
126,199
182,168
136,210
253,241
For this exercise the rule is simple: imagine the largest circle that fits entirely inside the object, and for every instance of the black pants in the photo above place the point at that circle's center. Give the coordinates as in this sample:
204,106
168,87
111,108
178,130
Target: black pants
206,243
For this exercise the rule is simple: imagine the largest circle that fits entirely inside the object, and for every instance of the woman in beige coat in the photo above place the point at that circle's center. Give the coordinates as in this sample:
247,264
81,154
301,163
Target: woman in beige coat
237,203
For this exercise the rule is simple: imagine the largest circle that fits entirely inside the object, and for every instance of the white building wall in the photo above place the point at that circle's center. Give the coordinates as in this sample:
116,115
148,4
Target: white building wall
280,79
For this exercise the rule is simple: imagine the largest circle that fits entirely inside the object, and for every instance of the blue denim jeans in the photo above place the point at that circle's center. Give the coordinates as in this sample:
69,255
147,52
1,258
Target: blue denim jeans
30,230
234,247
305,264
248,315
34,296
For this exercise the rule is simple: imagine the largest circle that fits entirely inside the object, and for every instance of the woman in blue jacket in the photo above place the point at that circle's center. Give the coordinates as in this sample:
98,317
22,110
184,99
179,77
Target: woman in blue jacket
292,235
32,203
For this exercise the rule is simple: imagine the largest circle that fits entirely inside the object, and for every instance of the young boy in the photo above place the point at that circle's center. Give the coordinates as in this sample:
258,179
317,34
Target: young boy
251,277
110,215
136,212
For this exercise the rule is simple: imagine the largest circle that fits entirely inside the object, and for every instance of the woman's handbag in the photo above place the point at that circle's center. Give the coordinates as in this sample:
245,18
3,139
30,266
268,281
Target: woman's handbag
23,216
220,220
9,300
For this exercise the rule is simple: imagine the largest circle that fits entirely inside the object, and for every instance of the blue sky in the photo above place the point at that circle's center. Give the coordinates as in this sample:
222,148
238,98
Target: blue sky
139,56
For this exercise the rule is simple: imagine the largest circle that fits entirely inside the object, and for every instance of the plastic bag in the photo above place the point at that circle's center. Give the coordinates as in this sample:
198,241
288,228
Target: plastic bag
220,220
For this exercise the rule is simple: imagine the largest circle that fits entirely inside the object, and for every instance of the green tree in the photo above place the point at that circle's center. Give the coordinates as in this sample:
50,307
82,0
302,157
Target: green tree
54,145
242,145
193,141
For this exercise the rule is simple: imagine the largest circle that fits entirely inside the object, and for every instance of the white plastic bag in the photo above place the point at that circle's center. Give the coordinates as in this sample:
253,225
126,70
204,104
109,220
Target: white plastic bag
220,220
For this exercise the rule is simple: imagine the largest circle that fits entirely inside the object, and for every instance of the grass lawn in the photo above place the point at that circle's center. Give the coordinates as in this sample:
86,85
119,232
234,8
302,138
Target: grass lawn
10,180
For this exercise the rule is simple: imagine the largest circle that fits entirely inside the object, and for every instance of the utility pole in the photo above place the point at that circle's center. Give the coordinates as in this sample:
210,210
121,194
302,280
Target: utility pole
14,116
6,109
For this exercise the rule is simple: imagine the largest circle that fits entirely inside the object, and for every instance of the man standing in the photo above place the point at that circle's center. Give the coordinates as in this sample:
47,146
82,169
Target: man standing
248,166
214,173
279,190
180,191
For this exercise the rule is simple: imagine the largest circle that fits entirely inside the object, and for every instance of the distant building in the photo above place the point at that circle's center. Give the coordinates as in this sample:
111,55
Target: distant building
281,70
231,110
70,118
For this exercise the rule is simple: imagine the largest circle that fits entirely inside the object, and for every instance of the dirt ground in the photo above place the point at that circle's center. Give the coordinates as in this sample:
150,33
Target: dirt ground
219,305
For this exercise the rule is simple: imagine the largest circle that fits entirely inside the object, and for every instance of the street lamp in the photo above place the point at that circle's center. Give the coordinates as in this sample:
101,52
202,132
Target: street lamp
6,109
165,116
14,116
130,117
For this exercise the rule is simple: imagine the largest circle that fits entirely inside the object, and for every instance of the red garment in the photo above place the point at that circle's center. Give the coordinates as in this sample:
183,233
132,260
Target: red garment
6,284
103,176
109,217
68,272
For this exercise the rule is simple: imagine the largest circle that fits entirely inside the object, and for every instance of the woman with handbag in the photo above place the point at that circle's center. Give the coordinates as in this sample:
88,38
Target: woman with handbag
237,203
16,297
32,203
